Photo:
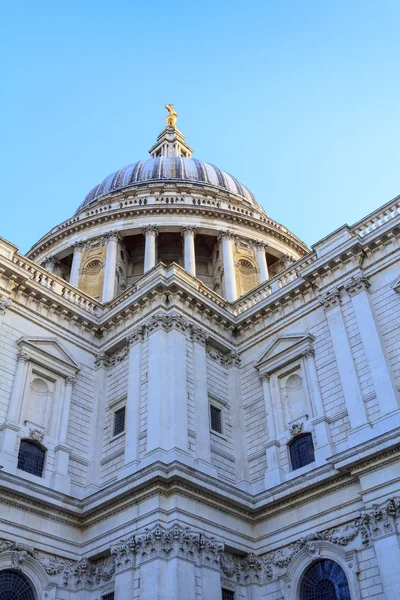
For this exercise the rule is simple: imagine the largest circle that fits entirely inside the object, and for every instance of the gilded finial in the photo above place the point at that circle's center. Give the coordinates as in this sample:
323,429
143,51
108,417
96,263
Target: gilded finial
172,116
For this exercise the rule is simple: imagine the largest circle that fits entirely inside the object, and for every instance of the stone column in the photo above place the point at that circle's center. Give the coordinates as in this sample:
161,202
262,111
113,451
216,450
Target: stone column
76,263
97,423
320,422
60,479
11,427
110,267
188,234
229,266
133,403
274,474
201,406
347,371
262,261
238,425
150,233
381,373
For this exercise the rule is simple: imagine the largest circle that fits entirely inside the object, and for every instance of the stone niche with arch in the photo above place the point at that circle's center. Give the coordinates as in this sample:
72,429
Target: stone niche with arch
91,273
293,400
247,272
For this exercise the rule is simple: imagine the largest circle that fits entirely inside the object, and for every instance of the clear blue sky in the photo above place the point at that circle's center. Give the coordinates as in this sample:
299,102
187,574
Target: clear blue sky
299,99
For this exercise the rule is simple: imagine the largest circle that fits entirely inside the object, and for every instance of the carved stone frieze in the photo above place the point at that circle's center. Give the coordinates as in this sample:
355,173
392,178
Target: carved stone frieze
162,542
357,284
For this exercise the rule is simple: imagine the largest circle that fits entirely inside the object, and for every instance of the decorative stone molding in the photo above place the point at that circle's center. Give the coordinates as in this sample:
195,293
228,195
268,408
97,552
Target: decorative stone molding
22,356
309,352
259,245
37,435
227,234
135,336
357,284
70,380
4,304
199,335
113,236
296,429
79,246
188,229
150,230
265,377
167,322
371,524
162,542
330,299
66,572
231,359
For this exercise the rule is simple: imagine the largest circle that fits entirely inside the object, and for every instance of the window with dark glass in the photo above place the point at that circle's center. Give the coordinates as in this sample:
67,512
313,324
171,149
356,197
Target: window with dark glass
15,585
119,421
216,418
228,594
109,596
324,580
31,457
301,451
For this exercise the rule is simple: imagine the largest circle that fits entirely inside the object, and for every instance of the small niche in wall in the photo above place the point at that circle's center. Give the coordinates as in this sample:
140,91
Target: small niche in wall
37,406
293,395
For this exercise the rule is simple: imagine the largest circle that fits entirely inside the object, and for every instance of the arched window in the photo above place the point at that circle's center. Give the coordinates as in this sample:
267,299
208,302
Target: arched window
324,580
301,451
31,457
14,586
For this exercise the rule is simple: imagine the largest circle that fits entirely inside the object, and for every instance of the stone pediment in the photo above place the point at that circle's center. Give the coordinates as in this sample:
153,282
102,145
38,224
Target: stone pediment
284,349
49,352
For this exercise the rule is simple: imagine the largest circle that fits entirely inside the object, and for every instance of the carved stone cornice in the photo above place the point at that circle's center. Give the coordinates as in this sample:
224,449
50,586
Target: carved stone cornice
150,230
162,542
330,299
357,284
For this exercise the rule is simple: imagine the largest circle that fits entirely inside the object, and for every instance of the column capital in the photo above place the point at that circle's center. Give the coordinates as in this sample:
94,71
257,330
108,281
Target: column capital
227,235
357,284
79,246
309,352
265,377
188,230
259,245
50,261
22,356
113,236
330,299
70,380
150,230
135,336
199,335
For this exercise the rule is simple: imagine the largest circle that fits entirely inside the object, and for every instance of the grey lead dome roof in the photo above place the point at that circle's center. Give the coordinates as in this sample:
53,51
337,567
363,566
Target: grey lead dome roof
170,169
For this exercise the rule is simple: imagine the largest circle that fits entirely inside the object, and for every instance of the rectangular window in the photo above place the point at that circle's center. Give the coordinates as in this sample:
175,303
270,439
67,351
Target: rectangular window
216,418
228,594
119,421
109,596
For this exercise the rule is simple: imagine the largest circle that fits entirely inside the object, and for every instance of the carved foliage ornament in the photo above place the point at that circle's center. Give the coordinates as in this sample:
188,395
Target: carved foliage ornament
330,299
372,523
37,435
162,542
357,284
296,429
231,359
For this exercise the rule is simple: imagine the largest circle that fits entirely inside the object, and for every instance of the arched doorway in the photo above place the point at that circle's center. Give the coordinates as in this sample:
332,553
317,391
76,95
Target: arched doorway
324,580
15,586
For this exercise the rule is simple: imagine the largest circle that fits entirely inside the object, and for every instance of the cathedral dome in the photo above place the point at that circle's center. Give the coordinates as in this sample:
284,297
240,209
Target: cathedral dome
170,169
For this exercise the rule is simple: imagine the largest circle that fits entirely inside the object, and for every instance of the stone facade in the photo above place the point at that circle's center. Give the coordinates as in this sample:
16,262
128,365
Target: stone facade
174,505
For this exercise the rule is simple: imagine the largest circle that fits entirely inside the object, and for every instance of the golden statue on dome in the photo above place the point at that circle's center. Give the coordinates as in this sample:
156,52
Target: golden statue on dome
173,115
